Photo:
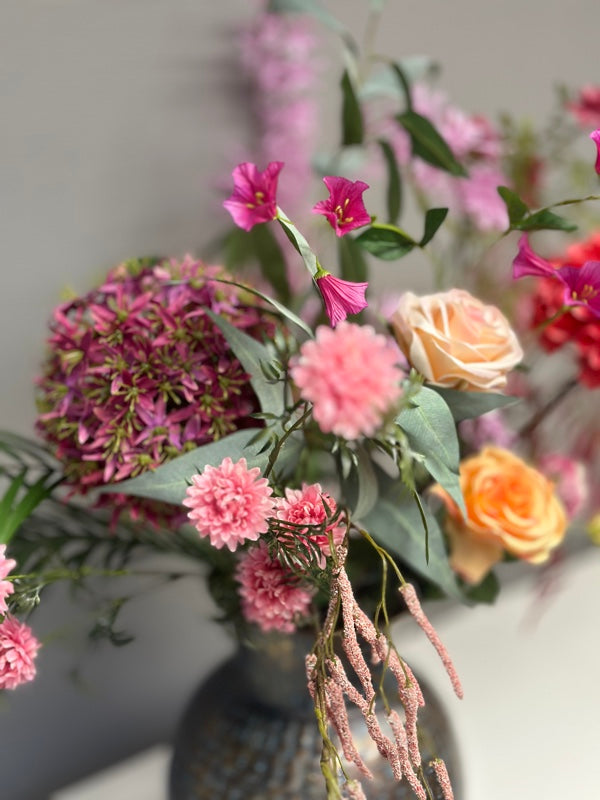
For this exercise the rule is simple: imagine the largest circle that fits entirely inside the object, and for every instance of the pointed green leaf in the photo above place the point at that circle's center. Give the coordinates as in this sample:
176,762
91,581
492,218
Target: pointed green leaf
545,220
252,354
386,242
428,144
394,185
353,266
515,207
352,122
299,242
433,220
467,405
404,83
431,432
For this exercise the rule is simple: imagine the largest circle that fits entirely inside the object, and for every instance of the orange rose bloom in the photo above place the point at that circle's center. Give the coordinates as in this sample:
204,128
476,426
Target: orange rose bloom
510,506
455,340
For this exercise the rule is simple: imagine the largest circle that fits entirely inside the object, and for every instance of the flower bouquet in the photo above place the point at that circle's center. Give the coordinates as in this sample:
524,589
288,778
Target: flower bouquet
331,472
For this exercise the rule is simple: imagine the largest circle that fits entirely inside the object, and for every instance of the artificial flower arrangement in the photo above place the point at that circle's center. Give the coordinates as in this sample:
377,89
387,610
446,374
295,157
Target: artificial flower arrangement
329,471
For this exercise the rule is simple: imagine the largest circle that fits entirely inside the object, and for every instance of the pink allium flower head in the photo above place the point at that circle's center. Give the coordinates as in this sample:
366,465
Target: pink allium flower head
18,649
351,376
586,107
341,297
6,587
254,194
595,137
310,505
571,480
344,208
137,373
271,596
230,503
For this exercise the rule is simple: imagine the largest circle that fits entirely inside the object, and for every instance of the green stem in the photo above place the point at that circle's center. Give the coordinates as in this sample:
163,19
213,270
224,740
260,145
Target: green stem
286,435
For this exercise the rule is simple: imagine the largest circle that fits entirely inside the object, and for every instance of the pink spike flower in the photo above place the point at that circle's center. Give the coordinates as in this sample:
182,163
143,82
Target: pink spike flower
344,208
253,198
6,587
229,504
595,137
18,649
341,297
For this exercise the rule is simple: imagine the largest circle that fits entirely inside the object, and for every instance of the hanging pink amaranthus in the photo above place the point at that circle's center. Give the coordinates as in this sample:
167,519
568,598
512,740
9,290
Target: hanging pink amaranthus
137,372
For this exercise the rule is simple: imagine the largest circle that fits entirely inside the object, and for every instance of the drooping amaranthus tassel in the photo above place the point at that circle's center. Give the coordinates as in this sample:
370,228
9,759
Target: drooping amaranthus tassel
443,779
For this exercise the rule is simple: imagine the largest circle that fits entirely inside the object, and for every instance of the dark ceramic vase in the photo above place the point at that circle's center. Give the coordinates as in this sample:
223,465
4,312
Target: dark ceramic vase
249,733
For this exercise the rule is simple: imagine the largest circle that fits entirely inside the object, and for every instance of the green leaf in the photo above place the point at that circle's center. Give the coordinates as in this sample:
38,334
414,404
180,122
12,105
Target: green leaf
311,7
386,242
252,355
352,122
404,83
431,432
467,405
299,243
395,523
433,220
394,185
353,266
545,220
515,207
170,481
485,592
360,487
17,505
428,144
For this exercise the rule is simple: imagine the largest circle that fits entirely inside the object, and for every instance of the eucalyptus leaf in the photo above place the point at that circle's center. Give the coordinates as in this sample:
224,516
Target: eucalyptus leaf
428,144
252,354
395,523
394,184
386,242
169,482
433,220
468,405
431,431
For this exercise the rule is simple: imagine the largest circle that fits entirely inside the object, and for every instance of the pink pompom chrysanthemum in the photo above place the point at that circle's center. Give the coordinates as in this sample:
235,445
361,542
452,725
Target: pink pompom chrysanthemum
351,376
230,503
6,587
18,649
313,507
271,596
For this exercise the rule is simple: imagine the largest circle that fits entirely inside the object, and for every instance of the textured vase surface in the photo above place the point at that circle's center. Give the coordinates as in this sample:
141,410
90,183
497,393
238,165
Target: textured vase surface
250,733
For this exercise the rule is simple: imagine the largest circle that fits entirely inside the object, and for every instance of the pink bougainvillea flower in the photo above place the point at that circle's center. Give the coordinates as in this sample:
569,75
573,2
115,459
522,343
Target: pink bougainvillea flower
527,262
18,649
272,596
253,198
230,503
351,376
595,137
6,587
313,507
341,297
344,208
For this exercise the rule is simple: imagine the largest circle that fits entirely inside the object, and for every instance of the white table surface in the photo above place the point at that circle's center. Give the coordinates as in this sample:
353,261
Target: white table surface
529,724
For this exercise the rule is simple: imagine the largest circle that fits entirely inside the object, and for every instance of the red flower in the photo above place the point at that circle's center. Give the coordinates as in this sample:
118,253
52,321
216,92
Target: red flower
344,208
253,198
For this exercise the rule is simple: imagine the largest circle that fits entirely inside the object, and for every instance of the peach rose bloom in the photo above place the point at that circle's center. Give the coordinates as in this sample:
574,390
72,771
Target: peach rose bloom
455,340
510,507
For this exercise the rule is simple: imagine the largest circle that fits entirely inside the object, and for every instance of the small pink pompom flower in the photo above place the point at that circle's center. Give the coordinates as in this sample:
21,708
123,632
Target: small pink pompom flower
230,504
310,505
351,376
344,208
6,587
18,649
341,297
253,199
271,596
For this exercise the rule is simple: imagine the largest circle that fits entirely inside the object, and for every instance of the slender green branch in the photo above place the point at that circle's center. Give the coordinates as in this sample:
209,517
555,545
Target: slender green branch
287,433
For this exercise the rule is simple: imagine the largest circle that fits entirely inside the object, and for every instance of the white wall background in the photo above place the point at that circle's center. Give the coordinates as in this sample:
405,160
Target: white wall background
116,117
